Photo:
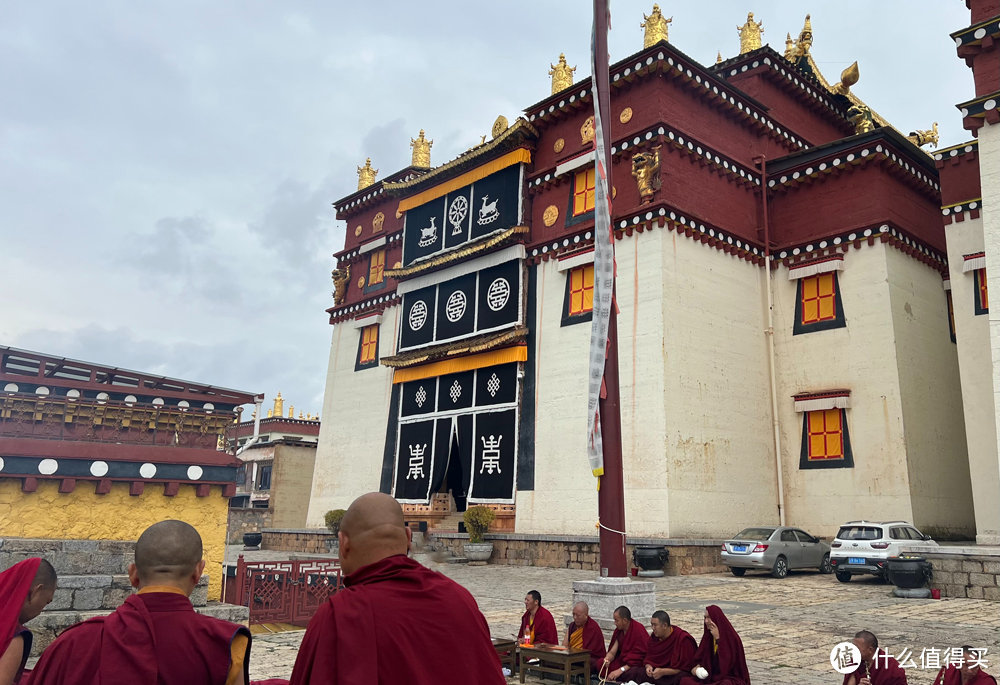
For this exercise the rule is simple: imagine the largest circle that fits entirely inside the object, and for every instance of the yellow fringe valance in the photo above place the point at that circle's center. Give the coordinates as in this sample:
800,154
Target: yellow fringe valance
520,156
475,361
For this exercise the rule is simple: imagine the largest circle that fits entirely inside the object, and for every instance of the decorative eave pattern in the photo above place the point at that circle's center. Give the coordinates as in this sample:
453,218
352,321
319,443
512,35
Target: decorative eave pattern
676,65
969,41
956,151
380,190
983,109
354,254
371,305
474,345
956,212
469,250
793,256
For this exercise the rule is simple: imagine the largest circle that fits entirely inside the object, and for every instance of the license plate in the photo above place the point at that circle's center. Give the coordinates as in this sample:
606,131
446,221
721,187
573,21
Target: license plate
855,560
739,548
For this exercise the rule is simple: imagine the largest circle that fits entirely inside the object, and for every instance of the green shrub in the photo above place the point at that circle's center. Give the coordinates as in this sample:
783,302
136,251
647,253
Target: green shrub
477,521
333,519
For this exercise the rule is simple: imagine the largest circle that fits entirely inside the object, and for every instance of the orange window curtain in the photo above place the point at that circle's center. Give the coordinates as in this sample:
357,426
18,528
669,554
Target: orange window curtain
581,289
376,272
826,434
819,298
583,191
369,343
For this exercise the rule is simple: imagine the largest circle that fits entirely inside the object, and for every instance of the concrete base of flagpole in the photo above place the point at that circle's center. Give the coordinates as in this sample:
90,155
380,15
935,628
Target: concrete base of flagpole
604,595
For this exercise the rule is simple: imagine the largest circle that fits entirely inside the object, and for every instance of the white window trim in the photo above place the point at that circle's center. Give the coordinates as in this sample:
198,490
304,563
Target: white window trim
974,264
823,267
822,403
946,284
366,321
373,245
575,163
573,261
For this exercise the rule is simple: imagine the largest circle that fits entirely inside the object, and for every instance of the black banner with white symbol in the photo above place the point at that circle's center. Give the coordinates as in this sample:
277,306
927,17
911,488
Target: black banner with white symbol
419,397
457,305
457,390
453,465
494,448
490,204
414,462
499,295
419,309
496,385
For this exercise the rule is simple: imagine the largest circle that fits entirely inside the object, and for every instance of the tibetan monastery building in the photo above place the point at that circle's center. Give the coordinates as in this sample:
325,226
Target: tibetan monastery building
785,346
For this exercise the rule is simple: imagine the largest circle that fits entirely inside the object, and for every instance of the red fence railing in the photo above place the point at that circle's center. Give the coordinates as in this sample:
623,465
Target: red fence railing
285,591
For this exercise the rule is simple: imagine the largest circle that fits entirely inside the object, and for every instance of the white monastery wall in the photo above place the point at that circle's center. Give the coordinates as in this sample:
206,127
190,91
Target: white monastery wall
931,392
989,175
355,415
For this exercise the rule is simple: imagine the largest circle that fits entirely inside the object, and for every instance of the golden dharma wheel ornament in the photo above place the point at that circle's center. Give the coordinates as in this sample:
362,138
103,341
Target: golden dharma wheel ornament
499,126
357,230
361,281
377,222
558,145
626,115
550,215
587,131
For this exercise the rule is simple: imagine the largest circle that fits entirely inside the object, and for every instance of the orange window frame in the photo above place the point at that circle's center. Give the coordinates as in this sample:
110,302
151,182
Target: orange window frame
376,268
584,184
819,298
982,291
581,290
826,434
369,344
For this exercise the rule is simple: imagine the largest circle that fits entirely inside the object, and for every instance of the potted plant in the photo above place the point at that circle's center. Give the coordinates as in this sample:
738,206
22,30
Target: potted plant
477,522
333,519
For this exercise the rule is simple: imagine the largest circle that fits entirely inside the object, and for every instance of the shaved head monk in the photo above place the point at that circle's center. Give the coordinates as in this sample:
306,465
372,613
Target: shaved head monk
155,636
395,621
584,633
26,587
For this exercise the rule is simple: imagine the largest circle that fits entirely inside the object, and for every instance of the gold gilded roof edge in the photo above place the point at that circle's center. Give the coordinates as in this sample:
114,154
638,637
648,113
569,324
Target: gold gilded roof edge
458,254
454,349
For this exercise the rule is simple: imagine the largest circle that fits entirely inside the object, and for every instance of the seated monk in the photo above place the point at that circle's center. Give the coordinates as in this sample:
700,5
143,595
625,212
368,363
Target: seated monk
156,636
395,621
668,655
720,653
877,667
969,672
537,625
584,633
26,587
628,644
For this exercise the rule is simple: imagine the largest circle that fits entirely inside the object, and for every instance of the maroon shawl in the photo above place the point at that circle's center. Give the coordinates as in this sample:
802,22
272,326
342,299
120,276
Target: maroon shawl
729,662
398,622
675,651
884,671
631,646
155,637
593,638
545,627
953,676
15,584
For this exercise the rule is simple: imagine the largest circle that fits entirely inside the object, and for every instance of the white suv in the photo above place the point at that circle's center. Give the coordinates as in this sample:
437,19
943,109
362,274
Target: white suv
862,547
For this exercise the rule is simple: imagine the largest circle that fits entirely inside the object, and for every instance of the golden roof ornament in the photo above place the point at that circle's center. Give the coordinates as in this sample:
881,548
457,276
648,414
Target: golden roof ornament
656,27
861,116
421,151
279,405
366,175
924,137
800,48
341,279
499,126
718,58
750,34
562,74
291,411
848,77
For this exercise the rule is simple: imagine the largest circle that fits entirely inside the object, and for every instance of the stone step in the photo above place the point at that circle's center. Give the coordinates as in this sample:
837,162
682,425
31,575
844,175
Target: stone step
71,557
104,592
49,624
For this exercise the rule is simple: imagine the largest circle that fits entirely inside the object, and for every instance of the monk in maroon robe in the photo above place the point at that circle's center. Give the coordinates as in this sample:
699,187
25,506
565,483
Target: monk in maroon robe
720,653
584,633
395,621
628,644
537,625
877,666
669,654
155,636
25,589
969,672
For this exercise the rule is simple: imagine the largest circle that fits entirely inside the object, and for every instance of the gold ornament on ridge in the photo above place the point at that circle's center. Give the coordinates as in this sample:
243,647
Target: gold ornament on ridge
562,74
421,151
366,175
656,27
750,34
796,49
848,77
861,116
499,126
924,137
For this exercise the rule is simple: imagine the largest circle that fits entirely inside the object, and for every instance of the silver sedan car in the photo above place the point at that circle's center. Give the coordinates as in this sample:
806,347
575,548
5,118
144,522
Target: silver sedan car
776,549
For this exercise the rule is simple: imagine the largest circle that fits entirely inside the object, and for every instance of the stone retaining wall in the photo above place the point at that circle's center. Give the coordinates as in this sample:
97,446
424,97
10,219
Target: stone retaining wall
304,540
966,572
248,520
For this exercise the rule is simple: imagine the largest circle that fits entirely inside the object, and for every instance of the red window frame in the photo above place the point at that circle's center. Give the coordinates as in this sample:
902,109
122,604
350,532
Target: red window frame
819,298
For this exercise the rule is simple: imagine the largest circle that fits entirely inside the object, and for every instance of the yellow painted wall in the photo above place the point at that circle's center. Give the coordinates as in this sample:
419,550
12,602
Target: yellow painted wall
85,515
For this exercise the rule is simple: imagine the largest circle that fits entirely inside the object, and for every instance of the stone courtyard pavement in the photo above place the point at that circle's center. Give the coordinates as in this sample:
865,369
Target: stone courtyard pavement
788,626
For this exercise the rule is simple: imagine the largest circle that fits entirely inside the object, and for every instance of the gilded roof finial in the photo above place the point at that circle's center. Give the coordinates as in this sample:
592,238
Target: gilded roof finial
279,406
924,137
421,151
562,74
656,27
291,411
789,46
718,58
848,77
750,34
366,175
800,48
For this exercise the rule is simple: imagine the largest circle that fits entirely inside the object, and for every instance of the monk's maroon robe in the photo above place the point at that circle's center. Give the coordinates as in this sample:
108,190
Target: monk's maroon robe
674,651
593,642
884,671
396,621
953,676
155,637
15,583
545,627
727,664
631,646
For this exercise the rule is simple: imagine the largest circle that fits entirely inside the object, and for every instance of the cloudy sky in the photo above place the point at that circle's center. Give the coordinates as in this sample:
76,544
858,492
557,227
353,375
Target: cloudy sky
167,168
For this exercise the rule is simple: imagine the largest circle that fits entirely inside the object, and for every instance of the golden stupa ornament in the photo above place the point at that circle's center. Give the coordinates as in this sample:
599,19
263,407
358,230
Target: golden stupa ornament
656,27
366,175
279,405
750,34
421,151
562,74
795,49
718,57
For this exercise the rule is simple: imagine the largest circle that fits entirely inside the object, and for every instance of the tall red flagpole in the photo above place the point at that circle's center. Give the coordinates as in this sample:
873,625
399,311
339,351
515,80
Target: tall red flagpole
611,493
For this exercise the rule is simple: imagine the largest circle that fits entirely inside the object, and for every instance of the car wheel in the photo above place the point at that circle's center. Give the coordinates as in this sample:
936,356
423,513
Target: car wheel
780,569
843,576
738,572
825,567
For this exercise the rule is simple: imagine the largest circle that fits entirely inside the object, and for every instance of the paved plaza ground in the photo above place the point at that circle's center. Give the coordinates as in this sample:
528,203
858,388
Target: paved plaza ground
788,626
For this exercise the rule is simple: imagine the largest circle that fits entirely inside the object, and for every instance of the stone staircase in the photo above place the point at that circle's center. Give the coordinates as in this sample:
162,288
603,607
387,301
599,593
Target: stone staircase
448,524
92,582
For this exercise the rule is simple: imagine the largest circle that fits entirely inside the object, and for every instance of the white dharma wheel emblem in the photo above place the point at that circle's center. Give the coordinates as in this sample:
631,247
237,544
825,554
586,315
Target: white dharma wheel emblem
418,315
454,309
498,294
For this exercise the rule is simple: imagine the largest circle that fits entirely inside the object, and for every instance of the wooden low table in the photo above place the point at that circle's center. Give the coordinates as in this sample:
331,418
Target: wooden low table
564,661
506,650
